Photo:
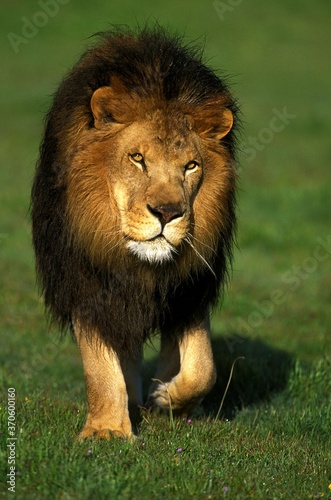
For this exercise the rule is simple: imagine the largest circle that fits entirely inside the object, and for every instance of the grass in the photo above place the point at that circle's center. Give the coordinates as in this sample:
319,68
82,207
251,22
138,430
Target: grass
272,439
278,449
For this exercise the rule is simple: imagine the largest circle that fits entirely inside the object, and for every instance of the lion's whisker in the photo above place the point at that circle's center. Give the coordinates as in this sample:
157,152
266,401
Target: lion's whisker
187,239
202,243
109,250
205,229
106,231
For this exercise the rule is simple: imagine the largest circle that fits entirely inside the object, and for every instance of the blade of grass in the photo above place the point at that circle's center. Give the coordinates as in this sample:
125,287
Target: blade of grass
227,387
171,415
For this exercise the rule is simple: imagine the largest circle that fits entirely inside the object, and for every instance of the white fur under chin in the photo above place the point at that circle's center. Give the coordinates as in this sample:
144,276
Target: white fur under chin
158,250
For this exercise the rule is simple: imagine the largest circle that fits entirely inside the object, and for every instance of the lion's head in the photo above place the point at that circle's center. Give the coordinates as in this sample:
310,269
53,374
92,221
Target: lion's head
151,178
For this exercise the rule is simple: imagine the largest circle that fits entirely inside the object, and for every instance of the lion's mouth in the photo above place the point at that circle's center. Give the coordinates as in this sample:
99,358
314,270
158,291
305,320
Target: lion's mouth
155,250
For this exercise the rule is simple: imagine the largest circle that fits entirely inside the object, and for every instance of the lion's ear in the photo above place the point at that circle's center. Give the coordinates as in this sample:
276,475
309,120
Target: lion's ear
112,104
226,124
213,121
100,105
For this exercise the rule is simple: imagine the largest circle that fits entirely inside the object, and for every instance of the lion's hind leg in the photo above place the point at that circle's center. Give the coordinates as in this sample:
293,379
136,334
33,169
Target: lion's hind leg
186,372
132,368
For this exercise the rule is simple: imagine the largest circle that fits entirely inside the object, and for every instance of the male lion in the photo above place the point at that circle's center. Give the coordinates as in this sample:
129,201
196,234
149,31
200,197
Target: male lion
133,218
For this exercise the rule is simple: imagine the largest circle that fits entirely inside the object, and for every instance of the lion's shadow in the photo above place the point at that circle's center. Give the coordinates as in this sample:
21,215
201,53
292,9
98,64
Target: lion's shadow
262,373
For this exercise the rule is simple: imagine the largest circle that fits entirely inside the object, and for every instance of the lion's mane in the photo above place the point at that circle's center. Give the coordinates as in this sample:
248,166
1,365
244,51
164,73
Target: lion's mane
124,299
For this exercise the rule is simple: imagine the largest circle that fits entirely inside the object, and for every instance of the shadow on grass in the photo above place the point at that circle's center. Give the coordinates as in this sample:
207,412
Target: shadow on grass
263,372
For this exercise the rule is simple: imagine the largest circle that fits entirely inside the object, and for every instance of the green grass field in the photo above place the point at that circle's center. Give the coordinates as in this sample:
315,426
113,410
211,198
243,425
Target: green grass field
272,439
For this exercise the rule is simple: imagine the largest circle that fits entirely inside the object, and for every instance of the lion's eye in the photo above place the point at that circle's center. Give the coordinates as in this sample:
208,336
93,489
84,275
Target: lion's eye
137,157
138,160
191,166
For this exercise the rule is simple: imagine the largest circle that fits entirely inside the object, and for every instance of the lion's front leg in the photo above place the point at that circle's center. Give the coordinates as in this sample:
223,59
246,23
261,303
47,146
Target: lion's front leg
186,371
106,390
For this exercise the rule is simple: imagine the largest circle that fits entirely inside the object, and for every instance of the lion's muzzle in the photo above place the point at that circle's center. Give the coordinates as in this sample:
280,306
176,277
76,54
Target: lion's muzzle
163,229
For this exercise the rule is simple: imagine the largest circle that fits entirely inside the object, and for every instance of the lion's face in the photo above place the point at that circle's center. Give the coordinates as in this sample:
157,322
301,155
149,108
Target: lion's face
159,168
136,184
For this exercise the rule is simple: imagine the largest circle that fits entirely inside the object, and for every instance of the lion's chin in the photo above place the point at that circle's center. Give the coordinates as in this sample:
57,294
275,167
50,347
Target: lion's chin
155,251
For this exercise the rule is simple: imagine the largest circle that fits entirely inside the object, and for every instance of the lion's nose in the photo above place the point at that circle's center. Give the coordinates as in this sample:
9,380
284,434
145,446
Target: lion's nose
166,213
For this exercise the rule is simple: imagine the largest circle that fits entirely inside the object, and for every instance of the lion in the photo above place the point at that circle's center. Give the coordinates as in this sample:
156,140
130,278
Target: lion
133,216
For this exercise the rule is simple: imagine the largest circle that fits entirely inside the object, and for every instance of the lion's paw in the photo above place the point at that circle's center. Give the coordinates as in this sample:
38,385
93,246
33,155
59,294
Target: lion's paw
168,397
89,432
161,398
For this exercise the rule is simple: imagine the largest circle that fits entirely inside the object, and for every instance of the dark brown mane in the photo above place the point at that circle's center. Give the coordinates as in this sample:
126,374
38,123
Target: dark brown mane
128,300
